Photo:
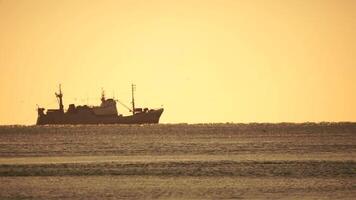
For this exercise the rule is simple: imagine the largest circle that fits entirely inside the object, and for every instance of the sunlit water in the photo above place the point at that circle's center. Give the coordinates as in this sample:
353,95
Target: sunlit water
207,161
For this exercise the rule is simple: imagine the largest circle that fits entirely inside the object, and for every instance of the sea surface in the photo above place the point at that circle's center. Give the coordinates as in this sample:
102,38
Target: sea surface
179,161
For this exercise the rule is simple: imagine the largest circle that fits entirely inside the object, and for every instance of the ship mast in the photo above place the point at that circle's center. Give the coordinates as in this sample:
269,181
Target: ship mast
102,95
133,87
59,97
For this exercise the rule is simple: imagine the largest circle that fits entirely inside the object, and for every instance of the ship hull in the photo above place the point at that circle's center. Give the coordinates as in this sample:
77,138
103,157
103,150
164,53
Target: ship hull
149,117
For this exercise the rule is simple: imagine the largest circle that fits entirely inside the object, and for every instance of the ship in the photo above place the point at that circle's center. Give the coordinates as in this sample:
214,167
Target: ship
105,113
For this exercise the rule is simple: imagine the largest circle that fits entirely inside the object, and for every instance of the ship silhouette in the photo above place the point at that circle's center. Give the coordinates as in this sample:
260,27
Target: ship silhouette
105,113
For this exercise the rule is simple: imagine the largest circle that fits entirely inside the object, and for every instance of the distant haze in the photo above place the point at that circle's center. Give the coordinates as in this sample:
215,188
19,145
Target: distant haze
203,61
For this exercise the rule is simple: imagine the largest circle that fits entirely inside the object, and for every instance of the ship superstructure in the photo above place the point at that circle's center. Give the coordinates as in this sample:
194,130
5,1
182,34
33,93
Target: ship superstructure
105,113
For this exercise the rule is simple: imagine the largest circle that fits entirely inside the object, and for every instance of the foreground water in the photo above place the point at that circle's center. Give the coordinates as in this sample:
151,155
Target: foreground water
206,161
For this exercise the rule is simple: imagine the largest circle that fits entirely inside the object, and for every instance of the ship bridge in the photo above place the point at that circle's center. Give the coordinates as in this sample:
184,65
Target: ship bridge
107,107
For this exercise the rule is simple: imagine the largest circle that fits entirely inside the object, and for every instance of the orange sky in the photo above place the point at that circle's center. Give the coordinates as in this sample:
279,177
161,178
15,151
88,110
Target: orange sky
204,61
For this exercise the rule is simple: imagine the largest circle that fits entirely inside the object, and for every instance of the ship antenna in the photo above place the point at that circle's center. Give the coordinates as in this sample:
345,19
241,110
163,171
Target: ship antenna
133,87
59,96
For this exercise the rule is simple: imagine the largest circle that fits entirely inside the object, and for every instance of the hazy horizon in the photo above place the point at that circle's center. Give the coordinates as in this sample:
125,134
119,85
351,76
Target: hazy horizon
202,61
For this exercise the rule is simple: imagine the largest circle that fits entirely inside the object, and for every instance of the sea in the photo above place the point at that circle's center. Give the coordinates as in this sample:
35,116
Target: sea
179,161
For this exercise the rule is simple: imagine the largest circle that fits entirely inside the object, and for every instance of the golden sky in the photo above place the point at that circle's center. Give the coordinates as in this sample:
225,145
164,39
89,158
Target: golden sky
204,61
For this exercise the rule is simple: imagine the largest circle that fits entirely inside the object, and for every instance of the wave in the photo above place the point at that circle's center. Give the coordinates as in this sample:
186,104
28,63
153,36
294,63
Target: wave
188,168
